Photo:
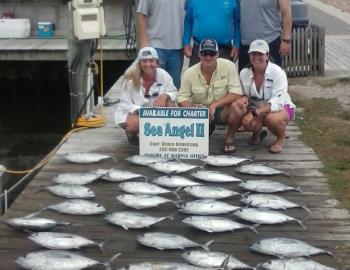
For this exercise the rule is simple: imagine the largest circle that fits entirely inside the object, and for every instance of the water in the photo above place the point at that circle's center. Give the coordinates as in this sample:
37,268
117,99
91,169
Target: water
35,111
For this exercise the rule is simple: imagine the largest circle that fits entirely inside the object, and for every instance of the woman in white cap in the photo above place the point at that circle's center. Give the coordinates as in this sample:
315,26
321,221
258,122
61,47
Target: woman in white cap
266,100
144,84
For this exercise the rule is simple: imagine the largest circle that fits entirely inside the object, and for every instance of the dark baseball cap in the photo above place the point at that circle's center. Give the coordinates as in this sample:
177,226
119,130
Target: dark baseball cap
208,45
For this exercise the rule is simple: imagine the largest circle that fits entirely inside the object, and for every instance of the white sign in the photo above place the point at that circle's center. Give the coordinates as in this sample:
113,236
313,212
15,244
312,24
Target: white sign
174,132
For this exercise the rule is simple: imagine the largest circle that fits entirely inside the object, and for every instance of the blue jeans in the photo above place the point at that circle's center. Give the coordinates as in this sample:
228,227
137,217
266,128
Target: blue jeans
171,61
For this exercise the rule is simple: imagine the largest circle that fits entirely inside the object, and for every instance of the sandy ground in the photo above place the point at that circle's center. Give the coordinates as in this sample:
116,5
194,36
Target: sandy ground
343,5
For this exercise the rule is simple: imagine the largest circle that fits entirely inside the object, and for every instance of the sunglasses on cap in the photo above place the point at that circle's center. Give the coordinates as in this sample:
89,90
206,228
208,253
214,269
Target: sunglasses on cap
206,53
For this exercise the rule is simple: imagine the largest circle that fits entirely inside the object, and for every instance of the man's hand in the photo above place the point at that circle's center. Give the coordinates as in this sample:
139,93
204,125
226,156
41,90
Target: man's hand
284,48
161,101
187,51
242,103
234,53
212,109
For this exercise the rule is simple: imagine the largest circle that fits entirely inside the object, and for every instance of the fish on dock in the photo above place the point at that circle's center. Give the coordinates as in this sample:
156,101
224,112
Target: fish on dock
62,241
172,167
258,169
32,223
145,160
286,248
84,158
144,188
207,207
162,266
293,264
214,224
163,241
134,220
77,207
77,178
269,201
223,160
213,259
264,216
214,176
138,201
70,191
210,192
59,260
175,181
115,175
266,186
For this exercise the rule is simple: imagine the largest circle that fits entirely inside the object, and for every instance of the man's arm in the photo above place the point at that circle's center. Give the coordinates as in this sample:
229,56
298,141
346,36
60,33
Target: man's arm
286,35
188,24
236,32
142,22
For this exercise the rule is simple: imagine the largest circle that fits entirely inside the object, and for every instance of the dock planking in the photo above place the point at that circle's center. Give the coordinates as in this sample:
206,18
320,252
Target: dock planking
327,226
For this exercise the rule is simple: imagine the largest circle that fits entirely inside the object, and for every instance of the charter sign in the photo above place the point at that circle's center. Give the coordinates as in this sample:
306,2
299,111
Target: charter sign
174,132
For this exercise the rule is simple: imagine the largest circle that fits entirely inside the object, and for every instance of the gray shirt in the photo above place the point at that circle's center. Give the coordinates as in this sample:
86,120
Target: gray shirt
165,22
260,19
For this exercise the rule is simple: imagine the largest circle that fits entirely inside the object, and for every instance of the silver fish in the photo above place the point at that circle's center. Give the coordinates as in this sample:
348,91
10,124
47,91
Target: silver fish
223,160
214,176
286,248
84,157
143,201
144,188
172,167
264,216
257,169
162,241
207,207
114,175
293,264
145,160
71,191
34,223
266,186
213,259
57,240
210,192
216,224
174,181
269,201
76,178
77,207
162,266
59,260
134,220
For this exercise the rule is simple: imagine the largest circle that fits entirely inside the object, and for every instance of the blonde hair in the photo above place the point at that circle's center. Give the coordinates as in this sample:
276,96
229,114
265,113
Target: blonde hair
133,73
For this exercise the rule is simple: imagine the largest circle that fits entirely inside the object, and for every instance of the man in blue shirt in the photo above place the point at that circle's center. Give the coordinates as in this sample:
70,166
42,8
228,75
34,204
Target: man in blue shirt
218,20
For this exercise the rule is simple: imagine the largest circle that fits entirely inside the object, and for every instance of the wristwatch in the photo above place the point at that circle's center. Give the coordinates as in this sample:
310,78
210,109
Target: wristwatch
287,40
254,113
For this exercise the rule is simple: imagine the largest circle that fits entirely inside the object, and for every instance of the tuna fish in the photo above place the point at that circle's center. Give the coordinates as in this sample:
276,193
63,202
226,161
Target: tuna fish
143,201
266,186
213,259
76,178
207,207
264,216
145,160
286,248
34,223
162,266
210,192
144,188
293,264
257,169
84,157
71,191
174,181
114,175
223,160
57,240
216,224
59,260
162,241
172,167
269,201
134,220
214,176
77,207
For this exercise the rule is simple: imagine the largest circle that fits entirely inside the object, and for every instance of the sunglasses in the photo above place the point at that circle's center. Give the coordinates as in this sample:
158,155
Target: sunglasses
206,53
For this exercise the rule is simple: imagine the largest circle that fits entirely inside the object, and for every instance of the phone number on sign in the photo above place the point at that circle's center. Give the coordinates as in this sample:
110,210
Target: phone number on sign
173,149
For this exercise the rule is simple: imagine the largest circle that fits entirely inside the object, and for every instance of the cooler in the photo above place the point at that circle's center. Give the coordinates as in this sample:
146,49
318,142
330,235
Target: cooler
14,28
45,29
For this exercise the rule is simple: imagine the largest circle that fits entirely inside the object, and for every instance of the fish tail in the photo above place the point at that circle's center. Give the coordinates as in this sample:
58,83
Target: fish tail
306,209
224,264
176,193
207,244
35,213
171,217
41,189
101,246
300,223
298,189
109,263
253,228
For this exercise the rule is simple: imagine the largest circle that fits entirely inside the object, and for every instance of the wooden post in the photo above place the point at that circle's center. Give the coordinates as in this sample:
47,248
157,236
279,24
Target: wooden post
321,50
1,199
136,24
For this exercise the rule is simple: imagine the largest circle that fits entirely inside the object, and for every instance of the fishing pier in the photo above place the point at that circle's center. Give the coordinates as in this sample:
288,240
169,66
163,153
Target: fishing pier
327,226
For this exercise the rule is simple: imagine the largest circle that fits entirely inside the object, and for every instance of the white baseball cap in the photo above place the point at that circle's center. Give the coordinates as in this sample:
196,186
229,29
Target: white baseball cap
148,53
259,45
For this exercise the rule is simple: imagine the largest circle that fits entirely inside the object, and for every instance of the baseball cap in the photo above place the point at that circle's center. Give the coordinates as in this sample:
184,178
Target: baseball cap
208,45
148,53
259,45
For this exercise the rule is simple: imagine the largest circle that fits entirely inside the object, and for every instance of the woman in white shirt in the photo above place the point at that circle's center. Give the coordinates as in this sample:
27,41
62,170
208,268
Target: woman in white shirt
144,85
266,100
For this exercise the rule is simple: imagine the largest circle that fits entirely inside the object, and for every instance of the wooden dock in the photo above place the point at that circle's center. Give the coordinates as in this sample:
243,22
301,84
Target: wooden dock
327,226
